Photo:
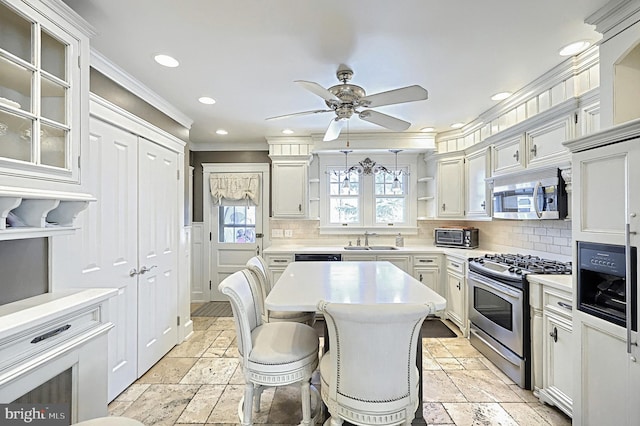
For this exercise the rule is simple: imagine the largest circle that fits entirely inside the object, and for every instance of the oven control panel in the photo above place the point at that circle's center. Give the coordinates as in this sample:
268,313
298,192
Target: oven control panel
610,261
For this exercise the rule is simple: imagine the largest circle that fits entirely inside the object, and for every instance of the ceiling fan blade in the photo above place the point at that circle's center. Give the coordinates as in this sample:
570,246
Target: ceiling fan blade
384,120
316,89
315,111
397,96
333,131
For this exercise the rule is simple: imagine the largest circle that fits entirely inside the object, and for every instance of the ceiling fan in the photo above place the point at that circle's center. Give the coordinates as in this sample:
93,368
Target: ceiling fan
347,99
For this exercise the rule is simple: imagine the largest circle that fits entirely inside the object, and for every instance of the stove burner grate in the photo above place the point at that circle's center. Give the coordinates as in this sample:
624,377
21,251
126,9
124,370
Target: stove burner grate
530,263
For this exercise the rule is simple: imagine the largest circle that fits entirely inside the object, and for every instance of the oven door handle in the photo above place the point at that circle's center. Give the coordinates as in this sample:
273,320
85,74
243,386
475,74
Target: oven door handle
628,278
501,288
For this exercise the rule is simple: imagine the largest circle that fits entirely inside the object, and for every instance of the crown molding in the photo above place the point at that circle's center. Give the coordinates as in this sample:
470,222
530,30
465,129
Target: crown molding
69,15
615,134
127,81
615,17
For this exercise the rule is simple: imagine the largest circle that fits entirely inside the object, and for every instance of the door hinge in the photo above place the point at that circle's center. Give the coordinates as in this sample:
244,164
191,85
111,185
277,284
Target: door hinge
209,285
575,118
178,320
210,236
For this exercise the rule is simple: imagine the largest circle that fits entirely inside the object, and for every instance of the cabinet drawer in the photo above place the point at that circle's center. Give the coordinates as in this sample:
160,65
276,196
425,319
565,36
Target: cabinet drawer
456,265
279,260
557,302
433,261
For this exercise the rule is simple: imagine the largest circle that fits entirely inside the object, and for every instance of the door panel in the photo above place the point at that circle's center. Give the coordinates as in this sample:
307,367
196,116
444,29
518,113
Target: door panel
157,230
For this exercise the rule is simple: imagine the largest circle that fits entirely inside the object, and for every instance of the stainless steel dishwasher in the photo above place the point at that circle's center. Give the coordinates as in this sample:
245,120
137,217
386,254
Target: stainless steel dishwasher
317,257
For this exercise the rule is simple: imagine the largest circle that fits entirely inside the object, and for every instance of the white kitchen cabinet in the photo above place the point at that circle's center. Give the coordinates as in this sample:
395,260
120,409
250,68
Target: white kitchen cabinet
540,145
290,185
277,263
44,81
606,200
478,200
426,269
130,240
401,261
553,344
456,288
507,155
543,144
450,187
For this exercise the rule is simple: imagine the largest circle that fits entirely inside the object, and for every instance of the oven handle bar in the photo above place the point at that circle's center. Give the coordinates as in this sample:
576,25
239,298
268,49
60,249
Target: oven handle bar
494,285
628,278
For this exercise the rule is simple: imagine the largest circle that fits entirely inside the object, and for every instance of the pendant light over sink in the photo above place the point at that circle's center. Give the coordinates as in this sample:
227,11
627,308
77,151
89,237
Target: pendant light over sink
396,187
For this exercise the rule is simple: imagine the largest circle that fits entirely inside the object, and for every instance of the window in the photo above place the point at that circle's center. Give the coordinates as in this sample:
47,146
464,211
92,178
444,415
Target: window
237,224
366,199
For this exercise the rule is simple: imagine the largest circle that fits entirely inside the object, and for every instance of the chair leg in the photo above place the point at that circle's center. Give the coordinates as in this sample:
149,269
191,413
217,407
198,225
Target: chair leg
246,404
333,421
256,397
305,395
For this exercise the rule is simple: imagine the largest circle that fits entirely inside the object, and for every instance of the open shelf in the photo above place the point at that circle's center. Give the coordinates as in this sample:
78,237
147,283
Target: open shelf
29,213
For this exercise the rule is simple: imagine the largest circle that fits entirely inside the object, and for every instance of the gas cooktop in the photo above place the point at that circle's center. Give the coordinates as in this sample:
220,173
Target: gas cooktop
514,266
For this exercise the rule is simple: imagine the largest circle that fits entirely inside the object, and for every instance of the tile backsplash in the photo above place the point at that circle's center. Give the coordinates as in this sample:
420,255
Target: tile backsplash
552,236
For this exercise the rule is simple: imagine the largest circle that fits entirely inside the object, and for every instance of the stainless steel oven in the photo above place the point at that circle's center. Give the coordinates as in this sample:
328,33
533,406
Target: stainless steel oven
499,309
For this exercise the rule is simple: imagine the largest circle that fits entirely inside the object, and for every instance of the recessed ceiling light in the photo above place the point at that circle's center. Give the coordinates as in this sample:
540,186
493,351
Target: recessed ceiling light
222,132
574,48
287,131
500,96
207,100
427,129
457,125
167,61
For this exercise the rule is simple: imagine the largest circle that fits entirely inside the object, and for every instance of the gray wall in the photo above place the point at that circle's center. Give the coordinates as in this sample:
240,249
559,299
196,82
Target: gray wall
199,157
24,269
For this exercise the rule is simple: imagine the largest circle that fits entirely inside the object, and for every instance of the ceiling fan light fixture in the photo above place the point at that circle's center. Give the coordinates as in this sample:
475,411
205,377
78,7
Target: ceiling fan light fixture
166,60
574,48
501,96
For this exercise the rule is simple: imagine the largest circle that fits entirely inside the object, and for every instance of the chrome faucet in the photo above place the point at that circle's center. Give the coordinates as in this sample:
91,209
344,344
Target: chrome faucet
367,234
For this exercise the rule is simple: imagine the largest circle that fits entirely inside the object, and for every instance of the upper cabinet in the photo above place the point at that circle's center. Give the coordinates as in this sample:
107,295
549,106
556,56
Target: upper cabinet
478,200
450,184
537,145
290,160
44,92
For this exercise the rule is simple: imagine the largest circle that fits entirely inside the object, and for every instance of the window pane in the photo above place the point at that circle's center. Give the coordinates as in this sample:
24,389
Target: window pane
390,210
15,85
53,143
53,101
337,184
343,210
15,33
238,224
53,56
15,136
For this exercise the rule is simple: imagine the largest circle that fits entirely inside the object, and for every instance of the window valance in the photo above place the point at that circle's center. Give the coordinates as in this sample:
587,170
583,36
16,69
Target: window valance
235,188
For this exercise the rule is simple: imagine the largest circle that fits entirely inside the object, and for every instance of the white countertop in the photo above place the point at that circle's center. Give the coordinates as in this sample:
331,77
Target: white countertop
304,284
562,282
337,249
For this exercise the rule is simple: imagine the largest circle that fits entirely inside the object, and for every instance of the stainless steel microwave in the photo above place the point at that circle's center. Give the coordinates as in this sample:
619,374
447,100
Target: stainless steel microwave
538,195
456,237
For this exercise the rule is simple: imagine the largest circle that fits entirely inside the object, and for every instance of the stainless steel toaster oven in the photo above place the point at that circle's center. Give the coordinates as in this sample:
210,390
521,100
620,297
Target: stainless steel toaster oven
456,237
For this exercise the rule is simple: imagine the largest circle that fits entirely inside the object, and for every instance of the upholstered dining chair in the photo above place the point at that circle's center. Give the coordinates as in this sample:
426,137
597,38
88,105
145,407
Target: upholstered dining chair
369,375
259,267
271,354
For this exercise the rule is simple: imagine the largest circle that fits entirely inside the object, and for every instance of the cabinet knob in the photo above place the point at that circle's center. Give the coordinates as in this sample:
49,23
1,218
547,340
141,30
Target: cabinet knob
534,150
444,206
299,207
420,279
133,272
459,286
517,155
554,334
144,269
483,205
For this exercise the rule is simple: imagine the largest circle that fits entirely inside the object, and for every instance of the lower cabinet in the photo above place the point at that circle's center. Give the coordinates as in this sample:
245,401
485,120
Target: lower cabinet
426,269
456,292
401,261
277,263
553,343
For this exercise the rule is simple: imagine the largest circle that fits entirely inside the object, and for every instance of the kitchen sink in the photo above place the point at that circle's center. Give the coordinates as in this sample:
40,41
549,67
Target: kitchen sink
371,248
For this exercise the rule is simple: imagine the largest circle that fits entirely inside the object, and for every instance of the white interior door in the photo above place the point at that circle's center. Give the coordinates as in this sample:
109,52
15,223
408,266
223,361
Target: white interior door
237,232
157,240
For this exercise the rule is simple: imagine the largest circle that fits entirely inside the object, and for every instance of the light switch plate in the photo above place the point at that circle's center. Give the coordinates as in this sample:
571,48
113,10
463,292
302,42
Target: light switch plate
288,233
277,233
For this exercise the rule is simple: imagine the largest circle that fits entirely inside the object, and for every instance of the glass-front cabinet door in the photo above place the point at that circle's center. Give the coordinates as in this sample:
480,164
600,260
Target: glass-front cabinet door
40,99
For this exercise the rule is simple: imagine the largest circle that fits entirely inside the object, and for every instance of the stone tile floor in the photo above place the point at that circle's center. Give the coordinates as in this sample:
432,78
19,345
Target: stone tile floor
199,383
